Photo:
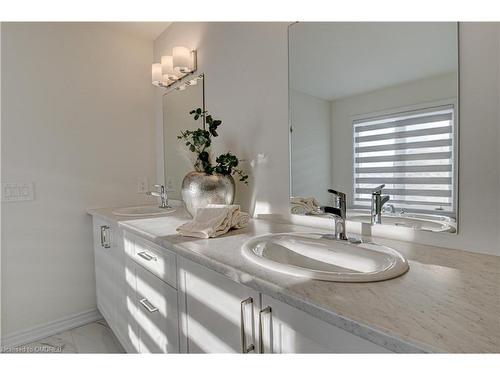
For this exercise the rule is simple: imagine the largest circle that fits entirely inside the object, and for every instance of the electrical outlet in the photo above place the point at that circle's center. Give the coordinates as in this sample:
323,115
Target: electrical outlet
16,192
142,185
170,185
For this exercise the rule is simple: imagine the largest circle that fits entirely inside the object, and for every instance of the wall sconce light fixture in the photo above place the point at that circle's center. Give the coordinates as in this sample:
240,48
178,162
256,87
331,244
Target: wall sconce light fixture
173,68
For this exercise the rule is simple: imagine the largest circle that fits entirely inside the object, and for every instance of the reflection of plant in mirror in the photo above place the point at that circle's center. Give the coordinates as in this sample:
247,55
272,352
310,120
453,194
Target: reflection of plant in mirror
199,141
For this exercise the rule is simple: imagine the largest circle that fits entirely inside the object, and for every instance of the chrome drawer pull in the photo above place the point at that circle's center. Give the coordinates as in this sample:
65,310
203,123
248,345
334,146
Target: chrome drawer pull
144,302
269,311
104,237
245,347
146,256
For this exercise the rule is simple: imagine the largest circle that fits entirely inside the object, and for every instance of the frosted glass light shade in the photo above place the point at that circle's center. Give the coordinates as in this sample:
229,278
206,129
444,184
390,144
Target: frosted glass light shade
167,65
156,76
182,59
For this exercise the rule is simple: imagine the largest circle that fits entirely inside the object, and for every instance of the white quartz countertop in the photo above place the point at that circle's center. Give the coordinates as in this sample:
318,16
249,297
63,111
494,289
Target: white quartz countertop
449,301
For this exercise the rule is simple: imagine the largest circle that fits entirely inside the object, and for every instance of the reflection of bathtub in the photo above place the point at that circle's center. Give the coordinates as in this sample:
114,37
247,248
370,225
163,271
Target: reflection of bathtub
424,222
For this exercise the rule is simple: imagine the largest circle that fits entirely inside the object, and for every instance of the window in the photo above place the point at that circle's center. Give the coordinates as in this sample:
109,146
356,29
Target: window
412,153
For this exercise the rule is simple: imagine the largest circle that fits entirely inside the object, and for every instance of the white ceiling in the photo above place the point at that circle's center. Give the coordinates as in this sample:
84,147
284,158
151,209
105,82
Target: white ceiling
144,30
333,60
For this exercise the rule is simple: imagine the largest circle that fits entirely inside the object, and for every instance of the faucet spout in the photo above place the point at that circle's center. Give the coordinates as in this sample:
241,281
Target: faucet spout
338,213
378,201
385,199
162,194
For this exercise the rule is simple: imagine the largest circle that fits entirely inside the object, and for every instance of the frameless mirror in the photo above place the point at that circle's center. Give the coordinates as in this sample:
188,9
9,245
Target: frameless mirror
374,114
177,103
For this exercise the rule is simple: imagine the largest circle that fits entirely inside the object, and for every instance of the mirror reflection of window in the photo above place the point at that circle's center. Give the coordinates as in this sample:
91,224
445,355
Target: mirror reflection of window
372,104
412,154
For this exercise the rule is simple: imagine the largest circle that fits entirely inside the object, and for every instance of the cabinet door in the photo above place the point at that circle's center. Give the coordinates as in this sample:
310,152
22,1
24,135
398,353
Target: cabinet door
156,314
219,314
104,269
120,324
286,329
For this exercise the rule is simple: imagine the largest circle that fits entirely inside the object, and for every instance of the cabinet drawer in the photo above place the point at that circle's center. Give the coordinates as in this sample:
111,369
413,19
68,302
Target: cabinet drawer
157,260
156,314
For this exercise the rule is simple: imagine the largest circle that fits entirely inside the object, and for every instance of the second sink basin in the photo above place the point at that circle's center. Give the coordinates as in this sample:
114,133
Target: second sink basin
316,256
142,211
430,223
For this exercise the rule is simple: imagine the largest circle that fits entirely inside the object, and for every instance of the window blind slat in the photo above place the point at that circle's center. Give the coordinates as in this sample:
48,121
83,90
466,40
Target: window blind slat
405,180
415,192
405,134
359,127
404,157
405,168
405,146
408,202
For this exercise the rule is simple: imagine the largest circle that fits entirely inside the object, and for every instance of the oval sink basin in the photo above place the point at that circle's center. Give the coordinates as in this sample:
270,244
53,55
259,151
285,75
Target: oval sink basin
428,223
142,211
319,256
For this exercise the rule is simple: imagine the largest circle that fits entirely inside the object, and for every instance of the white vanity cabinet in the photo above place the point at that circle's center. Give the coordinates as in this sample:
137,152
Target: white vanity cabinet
218,315
156,301
285,329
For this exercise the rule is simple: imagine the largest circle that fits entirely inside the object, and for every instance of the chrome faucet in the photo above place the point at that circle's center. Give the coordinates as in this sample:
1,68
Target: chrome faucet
162,194
338,213
378,201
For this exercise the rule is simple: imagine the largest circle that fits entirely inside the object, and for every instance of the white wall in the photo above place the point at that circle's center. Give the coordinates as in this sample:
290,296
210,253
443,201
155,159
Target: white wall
246,87
311,146
77,120
246,68
421,92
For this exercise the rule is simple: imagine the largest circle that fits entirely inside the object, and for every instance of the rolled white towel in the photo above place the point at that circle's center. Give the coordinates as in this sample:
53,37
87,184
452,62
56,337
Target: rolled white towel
240,220
209,221
302,205
299,209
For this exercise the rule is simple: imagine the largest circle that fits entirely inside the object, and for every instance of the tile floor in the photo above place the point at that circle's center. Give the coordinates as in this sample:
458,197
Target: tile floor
94,337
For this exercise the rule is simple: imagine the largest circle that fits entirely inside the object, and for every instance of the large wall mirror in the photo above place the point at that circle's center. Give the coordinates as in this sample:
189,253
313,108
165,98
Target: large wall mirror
177,103
374,110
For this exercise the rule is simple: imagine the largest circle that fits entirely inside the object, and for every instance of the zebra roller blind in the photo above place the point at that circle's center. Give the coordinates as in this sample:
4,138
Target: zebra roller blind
412,153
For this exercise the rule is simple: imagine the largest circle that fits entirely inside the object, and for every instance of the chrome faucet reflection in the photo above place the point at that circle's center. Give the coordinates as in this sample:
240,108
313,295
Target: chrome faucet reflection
162,194
378,201
338,213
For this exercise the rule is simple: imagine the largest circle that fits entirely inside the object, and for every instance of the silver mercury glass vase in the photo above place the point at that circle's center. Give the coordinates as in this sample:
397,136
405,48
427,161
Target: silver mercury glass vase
200,189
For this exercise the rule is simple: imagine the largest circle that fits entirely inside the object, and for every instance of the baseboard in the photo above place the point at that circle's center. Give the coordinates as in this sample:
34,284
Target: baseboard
52,328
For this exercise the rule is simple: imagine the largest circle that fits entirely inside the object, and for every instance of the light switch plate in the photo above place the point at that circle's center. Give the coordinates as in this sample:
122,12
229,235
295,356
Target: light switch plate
17,192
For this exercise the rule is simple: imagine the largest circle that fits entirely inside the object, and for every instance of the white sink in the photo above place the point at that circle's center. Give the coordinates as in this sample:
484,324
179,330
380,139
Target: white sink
142,211
318,256
430,223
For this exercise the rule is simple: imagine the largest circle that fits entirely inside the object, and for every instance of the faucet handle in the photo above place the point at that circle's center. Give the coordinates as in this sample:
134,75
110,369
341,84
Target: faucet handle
378,189
337,193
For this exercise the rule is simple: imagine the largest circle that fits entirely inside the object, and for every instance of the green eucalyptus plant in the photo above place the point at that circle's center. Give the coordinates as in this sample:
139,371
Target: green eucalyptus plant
199,141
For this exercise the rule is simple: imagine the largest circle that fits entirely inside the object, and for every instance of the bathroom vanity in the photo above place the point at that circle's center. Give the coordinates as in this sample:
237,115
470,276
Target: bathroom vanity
161,292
